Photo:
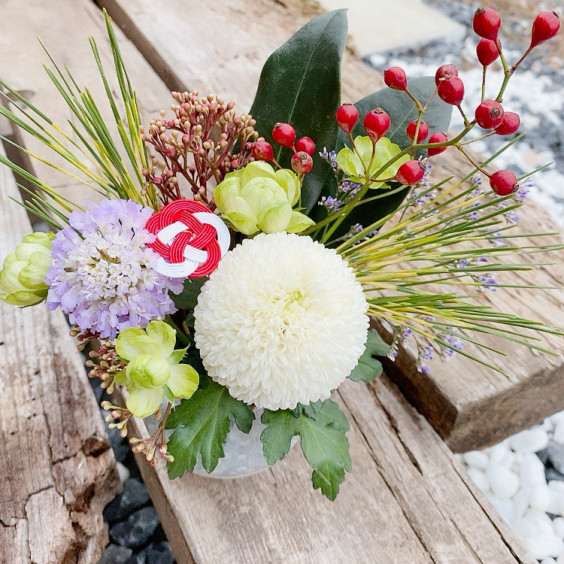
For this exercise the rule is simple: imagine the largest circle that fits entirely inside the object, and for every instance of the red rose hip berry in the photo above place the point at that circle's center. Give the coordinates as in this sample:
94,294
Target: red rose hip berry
445,72
347,117
395,78
305,144
262,151
410,173
451,91
487,51
509,124
421,134
302,162
489,114
503,182
376,123
486,23
284,134
438,137
545,26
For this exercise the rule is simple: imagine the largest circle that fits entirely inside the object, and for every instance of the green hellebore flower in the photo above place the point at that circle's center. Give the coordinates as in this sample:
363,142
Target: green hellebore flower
153,371
258,198
354,166
23,274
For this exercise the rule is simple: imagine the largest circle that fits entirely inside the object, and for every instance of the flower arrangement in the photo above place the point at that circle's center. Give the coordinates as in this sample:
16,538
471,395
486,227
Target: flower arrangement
227,269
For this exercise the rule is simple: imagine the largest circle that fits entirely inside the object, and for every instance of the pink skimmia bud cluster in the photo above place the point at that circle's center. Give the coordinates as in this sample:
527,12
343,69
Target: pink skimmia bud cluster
490,115
204,140
285,135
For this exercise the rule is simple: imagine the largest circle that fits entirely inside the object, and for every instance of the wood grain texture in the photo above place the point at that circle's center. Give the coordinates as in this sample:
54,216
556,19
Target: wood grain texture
57,470
64,27
470,406
406,500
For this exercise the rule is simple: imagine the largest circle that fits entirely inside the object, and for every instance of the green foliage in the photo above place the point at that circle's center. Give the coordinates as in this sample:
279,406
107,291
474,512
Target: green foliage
323,441
401,110
300,84
188,298
369,367
202,424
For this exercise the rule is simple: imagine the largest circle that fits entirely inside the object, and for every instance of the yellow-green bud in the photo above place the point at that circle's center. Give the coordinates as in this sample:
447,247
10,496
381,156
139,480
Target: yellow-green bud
148,371
355,166
23,273
258,198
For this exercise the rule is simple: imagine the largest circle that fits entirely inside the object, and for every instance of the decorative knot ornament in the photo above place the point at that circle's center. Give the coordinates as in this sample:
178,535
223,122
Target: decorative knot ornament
190,239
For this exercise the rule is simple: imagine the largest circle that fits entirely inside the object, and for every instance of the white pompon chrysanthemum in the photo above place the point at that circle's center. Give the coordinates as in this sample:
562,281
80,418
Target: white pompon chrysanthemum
281,321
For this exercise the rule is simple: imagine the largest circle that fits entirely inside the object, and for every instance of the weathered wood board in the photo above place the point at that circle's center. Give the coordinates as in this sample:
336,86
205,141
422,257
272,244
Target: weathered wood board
406,500
470,406
57,471
64,26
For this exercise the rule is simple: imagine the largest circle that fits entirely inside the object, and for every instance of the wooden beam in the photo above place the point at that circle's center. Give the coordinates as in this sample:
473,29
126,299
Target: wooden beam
57,471
470,406
406,500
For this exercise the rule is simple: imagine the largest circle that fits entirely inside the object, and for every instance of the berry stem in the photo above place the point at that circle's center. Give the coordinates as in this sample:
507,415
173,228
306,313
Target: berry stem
484,70
493,132
415,100
466,122
472,161
514,67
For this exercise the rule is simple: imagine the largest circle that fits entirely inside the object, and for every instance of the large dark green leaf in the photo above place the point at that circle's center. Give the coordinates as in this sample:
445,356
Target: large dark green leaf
300,84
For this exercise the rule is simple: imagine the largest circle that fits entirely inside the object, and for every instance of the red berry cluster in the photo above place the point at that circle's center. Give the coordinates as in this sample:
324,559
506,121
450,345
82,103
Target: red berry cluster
489,115
284,134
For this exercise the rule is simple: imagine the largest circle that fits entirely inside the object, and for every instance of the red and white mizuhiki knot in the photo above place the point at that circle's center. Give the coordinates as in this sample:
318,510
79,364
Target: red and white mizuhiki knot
190,239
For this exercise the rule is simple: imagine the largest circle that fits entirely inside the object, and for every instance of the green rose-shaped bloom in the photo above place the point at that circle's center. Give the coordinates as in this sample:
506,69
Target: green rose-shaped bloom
258,198
23,274
353,165
153,371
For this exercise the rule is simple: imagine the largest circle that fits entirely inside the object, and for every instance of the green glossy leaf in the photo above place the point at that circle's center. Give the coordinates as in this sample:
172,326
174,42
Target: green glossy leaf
202,424
323,441
300,84
369,367
188,298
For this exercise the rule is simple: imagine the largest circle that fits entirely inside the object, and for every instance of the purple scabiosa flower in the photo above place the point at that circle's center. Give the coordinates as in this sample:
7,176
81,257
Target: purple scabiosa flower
103,275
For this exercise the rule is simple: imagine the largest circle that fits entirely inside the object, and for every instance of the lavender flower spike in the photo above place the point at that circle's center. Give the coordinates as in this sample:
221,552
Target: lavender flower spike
103,275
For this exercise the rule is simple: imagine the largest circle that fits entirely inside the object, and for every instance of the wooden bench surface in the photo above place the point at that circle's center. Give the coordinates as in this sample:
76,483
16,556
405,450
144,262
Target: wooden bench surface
407,500
57,471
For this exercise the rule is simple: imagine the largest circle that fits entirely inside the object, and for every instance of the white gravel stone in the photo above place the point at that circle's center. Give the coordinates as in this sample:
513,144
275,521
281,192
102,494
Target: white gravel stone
479,478
503,482
541,521
558,526
548,561
504,507
544,545
530,441
521,501
123,472
539,498
532,470
524,528
559,432
477,458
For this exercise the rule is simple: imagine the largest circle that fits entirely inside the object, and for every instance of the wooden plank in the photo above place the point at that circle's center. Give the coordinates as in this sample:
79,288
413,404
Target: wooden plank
406,500
57,471
64,27
469,405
